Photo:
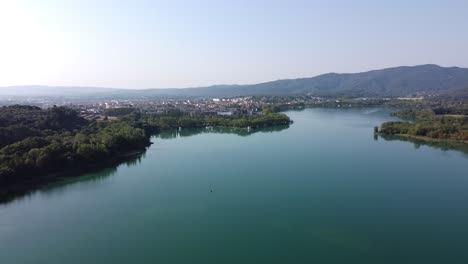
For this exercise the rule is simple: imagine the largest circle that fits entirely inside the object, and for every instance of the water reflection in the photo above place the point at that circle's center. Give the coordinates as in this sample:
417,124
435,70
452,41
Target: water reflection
440,145
243,132
59,186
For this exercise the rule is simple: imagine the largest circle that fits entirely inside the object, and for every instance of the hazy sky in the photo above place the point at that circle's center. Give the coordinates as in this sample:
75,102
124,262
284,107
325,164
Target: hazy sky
164,44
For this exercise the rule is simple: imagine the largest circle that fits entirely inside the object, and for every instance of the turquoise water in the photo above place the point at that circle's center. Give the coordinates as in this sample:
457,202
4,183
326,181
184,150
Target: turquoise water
323,190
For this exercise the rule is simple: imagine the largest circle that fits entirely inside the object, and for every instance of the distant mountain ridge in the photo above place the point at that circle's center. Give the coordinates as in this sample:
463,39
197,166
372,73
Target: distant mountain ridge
390,82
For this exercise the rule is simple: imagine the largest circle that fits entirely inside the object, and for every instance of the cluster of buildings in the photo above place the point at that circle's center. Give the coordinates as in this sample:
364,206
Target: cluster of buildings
248,105
245,105
193,107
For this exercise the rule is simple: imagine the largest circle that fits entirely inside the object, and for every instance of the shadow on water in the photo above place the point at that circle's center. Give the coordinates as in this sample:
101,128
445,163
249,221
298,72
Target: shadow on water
243,132
440,145
58,184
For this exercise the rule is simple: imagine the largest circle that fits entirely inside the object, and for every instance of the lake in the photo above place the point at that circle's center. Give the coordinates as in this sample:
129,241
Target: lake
323,190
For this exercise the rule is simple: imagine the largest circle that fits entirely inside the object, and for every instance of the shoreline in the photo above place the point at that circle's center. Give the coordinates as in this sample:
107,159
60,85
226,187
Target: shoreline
428,139
26,187
22,188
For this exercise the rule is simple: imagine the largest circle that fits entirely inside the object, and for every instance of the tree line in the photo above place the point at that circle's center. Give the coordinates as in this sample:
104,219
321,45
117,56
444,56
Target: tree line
426,123
35,142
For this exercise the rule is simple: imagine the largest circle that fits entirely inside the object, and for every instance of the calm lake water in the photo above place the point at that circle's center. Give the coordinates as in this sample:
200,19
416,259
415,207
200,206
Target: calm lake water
323,190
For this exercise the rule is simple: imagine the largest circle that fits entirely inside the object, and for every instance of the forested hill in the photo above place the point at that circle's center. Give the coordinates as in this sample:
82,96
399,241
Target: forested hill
391,82
35,142
21,121
454,94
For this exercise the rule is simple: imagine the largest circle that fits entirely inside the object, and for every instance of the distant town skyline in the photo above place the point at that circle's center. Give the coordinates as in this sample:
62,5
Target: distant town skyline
176,44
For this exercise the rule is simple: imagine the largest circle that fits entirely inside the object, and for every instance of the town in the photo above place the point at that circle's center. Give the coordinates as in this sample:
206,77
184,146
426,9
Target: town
96,109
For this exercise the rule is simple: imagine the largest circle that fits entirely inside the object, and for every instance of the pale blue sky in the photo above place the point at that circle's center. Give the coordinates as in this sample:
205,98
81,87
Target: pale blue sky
164,44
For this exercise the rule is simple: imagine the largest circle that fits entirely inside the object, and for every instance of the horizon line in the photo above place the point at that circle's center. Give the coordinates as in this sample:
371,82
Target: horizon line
213,85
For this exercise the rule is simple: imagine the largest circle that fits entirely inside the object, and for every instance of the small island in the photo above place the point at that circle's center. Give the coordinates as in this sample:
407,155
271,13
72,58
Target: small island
40,145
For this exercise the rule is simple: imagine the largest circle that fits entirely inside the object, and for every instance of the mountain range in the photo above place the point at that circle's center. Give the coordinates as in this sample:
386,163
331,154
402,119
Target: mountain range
390,82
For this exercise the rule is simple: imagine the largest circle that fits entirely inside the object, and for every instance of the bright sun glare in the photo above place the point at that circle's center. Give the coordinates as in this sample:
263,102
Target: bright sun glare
29,51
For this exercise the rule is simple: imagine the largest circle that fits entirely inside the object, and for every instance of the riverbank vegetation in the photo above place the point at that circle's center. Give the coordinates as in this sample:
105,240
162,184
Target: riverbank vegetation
36,143
426,124
168,122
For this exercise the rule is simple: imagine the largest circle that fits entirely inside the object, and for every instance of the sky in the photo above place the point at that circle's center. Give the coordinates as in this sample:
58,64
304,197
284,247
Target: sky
173,44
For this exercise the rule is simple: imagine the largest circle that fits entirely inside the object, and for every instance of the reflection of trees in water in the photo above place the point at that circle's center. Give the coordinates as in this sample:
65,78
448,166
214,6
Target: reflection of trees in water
243,132
441,145
58,186
135,159
63,184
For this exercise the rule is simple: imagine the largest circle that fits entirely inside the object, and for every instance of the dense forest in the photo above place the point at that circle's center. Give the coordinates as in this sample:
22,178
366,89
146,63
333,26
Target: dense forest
267,119
36,143
425,123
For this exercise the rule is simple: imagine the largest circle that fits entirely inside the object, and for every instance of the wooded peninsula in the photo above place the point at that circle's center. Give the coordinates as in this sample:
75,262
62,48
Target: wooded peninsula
429,124
36,143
